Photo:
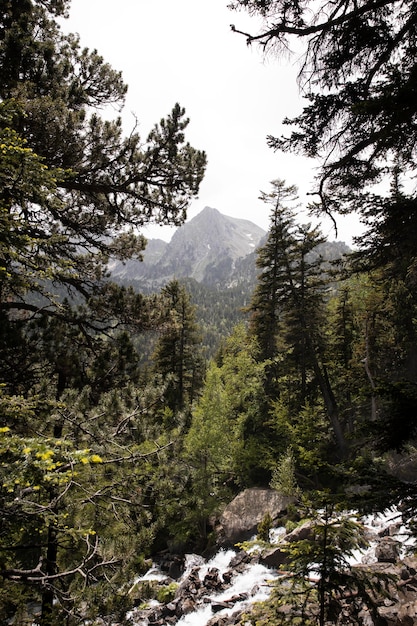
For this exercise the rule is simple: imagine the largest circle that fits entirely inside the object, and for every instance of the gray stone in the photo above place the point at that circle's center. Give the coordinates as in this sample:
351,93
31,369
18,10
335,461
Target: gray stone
275,557
387,550
240,518
300,533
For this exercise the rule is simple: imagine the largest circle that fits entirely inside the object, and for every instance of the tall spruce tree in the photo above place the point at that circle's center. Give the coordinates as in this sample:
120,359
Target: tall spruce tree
288,311
359,79
267,301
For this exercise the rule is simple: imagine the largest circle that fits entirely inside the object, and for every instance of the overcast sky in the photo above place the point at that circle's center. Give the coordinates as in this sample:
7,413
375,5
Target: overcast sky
184,51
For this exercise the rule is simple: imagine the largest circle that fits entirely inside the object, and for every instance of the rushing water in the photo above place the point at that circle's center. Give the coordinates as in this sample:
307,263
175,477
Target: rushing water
249,586
254,584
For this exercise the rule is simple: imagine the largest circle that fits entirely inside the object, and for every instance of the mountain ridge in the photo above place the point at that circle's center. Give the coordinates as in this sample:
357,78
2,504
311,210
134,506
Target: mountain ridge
207,249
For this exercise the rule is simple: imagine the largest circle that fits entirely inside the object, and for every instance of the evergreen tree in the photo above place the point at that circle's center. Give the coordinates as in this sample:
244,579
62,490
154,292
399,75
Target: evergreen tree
209,450
254,441
288,313
318,578
74,193
304,315
177,353
227,446
74,190
267,301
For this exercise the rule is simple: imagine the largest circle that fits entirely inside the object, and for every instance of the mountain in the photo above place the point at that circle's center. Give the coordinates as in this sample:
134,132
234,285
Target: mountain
210,248
214,256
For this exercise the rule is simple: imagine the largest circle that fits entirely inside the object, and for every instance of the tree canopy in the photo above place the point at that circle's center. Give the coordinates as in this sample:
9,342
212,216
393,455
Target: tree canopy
359,77
75,189
113,444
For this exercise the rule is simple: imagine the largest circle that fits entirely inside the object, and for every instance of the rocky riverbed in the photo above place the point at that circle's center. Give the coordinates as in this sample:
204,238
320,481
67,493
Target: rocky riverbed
219,591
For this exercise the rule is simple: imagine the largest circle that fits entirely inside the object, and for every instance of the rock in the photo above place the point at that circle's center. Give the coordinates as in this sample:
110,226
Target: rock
212,580
239,598
240,518
299,533
275,557
227,577
390,530
240,561
218,621
171,564
171,608
404,574
217,606
387,550
188,606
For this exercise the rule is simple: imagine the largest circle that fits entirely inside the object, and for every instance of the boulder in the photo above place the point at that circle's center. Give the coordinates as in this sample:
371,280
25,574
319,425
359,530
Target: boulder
212,580
240,518
387,550
300,533
171,564
274,557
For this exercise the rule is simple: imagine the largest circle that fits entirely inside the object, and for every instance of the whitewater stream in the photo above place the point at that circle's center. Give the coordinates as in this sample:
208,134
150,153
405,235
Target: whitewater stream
254,583
250,586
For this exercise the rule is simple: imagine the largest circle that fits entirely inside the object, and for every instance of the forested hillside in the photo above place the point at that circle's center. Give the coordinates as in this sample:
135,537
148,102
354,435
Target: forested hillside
221,300
131,417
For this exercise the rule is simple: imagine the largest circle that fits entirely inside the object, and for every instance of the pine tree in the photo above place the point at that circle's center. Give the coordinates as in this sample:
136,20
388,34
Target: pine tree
287,314
266,302
177,353
270,293
74,193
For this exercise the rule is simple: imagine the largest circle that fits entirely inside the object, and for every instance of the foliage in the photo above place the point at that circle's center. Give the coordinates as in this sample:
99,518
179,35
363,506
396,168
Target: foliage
358,76
177,347
81,449
167,592
283,477
74,189
287,314
116,438
264,527
70,517
272,260
209,449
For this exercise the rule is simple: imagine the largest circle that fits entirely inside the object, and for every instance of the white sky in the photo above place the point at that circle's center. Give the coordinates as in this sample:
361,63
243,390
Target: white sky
184,51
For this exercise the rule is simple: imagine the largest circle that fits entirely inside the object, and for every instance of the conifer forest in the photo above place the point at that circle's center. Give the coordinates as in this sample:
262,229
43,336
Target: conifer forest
124,428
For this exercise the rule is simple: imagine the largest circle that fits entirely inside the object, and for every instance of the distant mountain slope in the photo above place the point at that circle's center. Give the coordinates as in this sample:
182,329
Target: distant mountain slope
138,270
208,248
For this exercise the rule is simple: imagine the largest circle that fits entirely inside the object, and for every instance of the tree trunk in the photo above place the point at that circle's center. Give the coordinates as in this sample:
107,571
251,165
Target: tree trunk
366,362
51,569
331,407
323,575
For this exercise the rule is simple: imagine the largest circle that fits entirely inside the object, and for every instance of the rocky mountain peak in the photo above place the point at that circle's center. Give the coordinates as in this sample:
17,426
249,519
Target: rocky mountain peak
211,236
206,248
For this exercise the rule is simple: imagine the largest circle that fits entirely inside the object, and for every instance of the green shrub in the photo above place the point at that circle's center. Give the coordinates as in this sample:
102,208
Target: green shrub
167,593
